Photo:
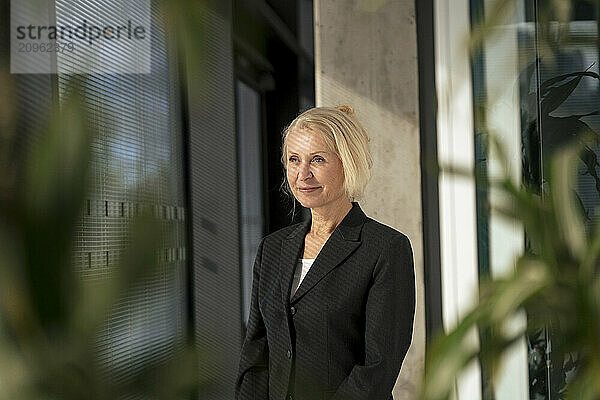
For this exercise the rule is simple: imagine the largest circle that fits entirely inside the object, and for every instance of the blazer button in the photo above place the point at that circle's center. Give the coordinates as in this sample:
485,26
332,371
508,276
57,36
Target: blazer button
289,354
293,310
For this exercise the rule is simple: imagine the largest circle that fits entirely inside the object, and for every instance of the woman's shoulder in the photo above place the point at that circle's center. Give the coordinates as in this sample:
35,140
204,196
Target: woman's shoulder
375,230
372,230
280,234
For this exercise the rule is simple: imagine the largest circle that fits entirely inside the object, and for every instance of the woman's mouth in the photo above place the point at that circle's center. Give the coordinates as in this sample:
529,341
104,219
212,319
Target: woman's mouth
308,190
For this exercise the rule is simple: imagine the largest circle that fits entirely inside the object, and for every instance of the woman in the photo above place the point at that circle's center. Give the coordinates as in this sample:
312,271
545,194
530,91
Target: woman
333,299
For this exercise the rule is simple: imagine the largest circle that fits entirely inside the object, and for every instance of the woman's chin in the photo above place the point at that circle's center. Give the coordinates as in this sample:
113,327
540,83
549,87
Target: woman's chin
308,203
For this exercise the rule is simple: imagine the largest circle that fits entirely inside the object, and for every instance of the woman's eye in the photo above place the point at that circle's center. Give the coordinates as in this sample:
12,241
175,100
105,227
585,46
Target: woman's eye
295,159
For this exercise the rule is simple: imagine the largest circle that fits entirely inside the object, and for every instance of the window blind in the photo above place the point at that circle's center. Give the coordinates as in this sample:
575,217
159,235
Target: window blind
137,163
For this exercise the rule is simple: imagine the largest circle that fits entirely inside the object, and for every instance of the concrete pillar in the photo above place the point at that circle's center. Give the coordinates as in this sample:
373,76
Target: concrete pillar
366,57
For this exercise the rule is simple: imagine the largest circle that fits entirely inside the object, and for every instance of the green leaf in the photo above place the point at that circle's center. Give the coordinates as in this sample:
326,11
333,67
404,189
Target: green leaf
585,386
509,295
50,201
569,220
448,356
546,85
589,158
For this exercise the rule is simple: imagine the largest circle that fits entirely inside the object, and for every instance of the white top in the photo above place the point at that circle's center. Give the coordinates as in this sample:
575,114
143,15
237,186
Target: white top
302,268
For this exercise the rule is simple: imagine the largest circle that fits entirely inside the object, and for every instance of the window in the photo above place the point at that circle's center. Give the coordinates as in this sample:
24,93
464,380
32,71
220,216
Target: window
137,164
528,55
250,170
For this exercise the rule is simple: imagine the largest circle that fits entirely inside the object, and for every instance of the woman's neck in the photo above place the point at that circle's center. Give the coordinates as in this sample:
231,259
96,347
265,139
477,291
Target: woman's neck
325,219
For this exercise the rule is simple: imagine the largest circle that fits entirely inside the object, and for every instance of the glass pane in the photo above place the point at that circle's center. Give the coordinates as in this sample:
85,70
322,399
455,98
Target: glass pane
549,72
250,171
566,94
137,164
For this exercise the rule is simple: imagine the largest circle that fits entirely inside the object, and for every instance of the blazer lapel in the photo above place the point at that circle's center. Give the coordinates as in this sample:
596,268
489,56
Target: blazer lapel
343,241
291,250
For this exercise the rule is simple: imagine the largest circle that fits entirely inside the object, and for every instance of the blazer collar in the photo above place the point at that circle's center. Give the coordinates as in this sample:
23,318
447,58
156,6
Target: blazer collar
342,242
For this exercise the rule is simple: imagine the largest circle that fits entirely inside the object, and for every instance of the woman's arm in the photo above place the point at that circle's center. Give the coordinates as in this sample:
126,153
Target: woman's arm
388,325
253,376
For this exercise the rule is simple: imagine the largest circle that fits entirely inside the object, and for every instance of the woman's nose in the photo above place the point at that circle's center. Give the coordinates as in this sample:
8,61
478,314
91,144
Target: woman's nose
305,172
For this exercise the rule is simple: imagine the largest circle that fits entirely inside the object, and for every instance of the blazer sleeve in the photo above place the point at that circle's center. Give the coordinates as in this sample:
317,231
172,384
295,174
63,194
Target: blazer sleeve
389,320
253,375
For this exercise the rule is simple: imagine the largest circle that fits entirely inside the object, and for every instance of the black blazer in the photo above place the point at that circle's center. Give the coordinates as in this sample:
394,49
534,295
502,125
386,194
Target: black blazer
346,330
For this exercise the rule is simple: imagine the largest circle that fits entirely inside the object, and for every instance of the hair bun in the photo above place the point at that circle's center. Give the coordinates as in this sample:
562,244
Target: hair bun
346,109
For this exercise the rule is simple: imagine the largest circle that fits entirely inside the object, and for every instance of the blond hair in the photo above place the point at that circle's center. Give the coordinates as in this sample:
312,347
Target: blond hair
344,136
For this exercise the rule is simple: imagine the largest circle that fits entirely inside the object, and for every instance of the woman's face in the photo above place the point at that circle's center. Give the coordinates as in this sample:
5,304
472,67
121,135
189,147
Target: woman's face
314,173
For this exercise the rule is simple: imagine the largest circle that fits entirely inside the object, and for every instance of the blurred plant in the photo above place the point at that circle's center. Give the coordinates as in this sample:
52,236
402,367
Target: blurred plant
558,286
557,131
557,280
49,317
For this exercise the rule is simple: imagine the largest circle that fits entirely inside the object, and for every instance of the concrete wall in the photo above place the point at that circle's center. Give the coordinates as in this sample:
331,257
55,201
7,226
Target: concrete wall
366,57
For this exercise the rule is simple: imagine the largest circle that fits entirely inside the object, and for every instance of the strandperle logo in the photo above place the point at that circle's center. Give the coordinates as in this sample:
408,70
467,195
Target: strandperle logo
90,33
80,37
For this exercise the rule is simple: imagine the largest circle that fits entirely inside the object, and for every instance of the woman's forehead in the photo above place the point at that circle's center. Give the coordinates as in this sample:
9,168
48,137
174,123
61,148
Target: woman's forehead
303,140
